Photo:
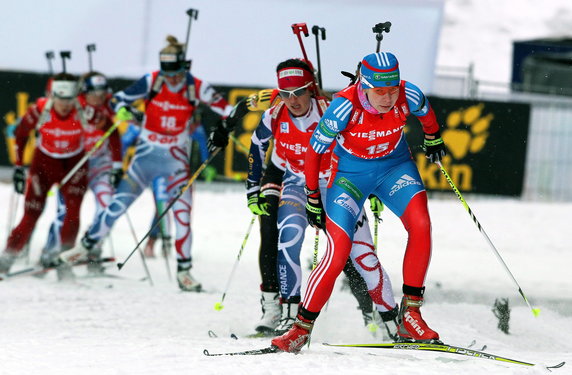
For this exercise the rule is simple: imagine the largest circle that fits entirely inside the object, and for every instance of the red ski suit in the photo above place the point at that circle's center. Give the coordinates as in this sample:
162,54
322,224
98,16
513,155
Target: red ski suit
59,147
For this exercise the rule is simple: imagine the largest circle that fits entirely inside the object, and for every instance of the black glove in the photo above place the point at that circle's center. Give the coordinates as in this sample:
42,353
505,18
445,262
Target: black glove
434,147
238,112
115,177
315,209
218,138
19,179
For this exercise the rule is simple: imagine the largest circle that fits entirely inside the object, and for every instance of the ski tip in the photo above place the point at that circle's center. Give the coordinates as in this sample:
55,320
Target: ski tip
233,336
536,312
206,352
557,366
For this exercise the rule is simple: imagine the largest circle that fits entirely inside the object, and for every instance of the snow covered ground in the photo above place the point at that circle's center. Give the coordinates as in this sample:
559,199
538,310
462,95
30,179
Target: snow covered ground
124,326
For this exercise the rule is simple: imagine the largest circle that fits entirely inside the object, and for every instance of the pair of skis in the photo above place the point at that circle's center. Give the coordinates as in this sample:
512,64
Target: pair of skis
40,270
440,348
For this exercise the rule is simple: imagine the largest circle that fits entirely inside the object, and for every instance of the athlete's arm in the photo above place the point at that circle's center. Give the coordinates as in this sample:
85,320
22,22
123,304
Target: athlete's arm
22,132
419,106
208,95
138,90
334,120
258,147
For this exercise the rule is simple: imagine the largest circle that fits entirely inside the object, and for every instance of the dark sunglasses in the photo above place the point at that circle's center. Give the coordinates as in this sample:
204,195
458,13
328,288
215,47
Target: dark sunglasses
172,73
285,94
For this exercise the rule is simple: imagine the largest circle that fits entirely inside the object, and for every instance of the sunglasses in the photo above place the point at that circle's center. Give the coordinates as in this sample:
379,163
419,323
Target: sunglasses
172,73
285,94
386,90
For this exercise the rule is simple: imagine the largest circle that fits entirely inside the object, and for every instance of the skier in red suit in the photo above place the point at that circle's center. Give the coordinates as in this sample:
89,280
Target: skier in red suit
59,147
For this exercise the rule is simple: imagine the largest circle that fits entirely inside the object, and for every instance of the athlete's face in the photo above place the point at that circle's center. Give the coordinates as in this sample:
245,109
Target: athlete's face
63,106
95,98
383,98
297,100
175,79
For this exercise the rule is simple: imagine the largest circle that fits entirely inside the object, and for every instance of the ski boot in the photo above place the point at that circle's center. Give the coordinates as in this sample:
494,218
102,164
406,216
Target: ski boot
149,250
186,282
389,327
80,252
293,340
94,266
271,313
412,327
7,258
289,311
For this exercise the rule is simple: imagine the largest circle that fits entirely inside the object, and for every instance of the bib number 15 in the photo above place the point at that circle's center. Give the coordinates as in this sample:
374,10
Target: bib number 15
377,149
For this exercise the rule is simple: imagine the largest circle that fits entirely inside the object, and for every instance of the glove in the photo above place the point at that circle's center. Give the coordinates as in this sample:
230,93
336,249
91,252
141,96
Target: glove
434,147
260,101
115,177
256,200
376,206
128,114
19,179
218,138
209,173
314,208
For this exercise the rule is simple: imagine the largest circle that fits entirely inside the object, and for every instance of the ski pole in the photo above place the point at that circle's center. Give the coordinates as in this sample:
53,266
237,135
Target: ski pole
90,48
50,57
14,201
65,55
86,157
535,312
378,29
173,200
132,228
111,247
165,238
317,30
316,244
193,14
219,306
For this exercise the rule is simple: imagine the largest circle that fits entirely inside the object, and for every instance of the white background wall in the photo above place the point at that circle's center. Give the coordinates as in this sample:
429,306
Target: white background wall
232,42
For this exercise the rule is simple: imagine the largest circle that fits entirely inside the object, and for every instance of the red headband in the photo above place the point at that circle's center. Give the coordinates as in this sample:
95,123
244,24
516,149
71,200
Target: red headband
294,77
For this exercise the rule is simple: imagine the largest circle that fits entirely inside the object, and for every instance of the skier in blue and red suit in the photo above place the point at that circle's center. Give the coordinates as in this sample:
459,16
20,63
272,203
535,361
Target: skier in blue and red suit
367,120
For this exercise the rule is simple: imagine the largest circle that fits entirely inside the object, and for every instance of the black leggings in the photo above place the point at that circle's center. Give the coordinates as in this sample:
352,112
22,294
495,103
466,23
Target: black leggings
268,254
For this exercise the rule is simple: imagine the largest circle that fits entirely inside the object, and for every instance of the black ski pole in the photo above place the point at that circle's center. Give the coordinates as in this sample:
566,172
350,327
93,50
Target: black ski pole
171,203
65,55
50,57
317,31
90,48
193,15
379,29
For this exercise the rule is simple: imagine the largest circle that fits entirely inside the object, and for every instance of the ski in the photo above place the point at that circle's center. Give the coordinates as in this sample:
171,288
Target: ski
267,350
443,348
233,336
40,270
